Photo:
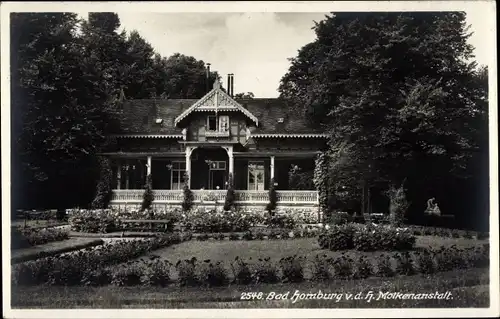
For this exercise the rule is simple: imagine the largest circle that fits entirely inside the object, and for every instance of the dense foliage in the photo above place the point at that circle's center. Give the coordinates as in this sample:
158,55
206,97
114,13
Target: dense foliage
69,79
366,238
103,192
80,267
188,197
156,271
27,237
273,196
402,99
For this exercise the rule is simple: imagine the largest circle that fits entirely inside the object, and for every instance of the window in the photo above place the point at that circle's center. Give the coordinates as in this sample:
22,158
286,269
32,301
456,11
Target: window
223,123
255,176
178,170
212,123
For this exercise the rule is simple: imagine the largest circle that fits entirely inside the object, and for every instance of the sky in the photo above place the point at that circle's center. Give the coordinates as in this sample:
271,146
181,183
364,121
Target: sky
254,46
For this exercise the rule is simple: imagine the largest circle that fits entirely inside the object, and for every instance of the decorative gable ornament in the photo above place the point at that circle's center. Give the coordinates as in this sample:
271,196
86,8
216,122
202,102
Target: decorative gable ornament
214,101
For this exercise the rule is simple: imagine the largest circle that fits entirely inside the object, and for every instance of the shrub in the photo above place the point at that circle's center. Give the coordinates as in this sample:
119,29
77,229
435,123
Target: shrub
97,277
128,274
448,258
372,238
264,271
92,221
219,236
188,197
343,267
43,236
259,235
76,268
292,268
18,239
203,237
273,197
364,268
241,271
337,238
103,189
384,266
248,235
212,274
404,264
280,221
424,261
339,218
148,197
156,272
321,267
234,236
230,196
398,205
187,272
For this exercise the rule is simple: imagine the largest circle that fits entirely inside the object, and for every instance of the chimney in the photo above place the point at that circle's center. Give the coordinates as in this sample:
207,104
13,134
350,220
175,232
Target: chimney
228,83
208,78
231,90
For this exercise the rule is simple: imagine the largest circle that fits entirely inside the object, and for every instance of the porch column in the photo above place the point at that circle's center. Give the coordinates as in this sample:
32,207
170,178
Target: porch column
272,166
189,150
119,175
148,166
229,151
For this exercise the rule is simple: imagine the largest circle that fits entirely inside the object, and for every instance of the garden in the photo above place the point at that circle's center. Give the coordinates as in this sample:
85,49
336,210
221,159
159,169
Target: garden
228,253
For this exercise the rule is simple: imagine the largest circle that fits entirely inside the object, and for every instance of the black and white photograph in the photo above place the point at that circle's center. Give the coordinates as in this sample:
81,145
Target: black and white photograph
238,159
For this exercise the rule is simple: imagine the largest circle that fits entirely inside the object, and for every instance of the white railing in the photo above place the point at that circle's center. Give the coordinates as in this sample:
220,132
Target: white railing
210,196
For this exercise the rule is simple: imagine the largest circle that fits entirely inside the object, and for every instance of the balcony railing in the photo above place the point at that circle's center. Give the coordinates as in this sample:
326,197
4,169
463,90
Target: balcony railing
212,196
217,133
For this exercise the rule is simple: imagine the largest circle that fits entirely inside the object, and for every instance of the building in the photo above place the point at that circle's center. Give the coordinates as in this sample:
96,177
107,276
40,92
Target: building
256,141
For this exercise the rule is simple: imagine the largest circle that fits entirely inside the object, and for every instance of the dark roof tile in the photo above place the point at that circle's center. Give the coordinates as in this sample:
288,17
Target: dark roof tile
139,116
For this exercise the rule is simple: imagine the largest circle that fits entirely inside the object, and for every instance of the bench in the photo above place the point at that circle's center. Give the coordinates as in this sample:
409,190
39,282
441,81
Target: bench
151,222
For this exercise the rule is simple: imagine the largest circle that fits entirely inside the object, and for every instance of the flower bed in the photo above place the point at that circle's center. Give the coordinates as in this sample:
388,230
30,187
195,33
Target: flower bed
27,237
447,232
77,268
192,272
200,221
366,238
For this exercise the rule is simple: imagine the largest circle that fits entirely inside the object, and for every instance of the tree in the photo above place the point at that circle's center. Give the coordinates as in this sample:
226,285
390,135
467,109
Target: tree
399,96
59,109
185,77
248,95
103,192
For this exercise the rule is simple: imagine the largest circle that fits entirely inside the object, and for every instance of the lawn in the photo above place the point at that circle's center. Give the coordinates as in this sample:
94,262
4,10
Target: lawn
468,289
38,223
228,250
53,249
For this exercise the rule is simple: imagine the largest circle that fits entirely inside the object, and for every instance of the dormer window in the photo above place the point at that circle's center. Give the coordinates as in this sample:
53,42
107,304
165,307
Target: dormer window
223,123
212,123
217,126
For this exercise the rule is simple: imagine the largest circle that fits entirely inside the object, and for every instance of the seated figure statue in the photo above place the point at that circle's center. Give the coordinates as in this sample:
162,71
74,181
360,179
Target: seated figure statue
432,208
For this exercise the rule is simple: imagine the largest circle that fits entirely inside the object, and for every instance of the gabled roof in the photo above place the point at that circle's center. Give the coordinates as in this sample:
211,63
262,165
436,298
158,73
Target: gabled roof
216,100
138,117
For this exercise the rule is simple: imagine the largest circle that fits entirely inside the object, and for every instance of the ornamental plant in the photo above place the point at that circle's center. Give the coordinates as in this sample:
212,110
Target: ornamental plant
273,197
292,268
103,189
188,199
241,271
230,195
148,196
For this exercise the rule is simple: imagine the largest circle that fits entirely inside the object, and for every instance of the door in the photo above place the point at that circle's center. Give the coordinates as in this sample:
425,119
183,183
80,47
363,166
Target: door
256,175
217,175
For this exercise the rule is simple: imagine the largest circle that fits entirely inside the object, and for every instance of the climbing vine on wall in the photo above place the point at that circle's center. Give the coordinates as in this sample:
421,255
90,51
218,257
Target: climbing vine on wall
321,180
103,189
